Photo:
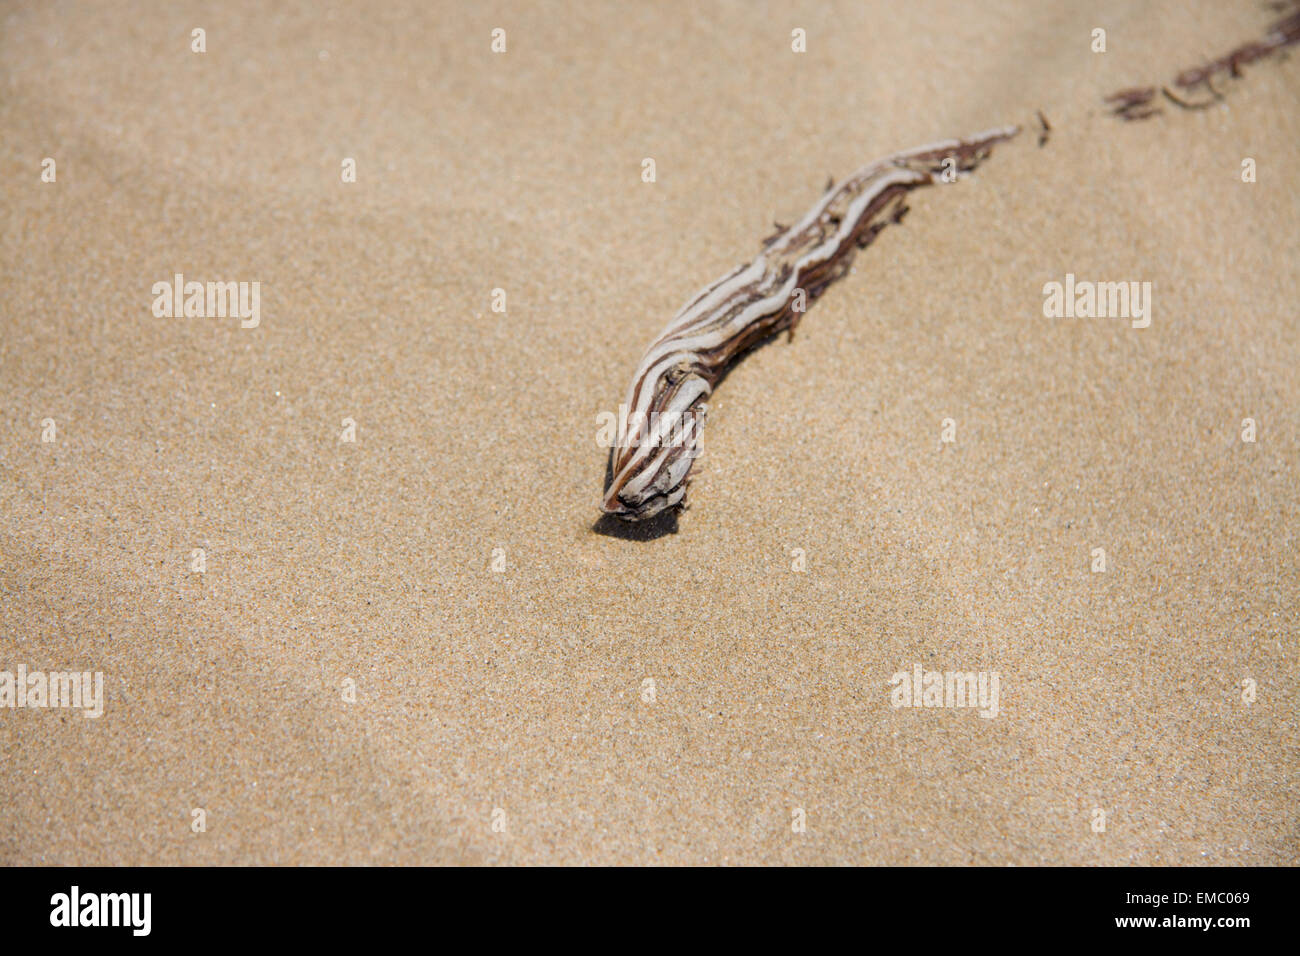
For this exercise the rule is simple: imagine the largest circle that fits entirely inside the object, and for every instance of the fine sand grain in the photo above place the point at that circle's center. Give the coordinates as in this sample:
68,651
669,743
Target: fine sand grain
525,690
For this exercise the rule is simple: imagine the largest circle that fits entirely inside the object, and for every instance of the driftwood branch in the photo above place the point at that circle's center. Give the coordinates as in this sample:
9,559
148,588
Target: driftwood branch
1191,85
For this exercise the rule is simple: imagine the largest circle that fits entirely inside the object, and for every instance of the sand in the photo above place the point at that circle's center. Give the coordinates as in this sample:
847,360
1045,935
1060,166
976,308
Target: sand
504,716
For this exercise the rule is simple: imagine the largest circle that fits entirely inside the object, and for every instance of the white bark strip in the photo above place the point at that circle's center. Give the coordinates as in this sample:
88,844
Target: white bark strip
659,436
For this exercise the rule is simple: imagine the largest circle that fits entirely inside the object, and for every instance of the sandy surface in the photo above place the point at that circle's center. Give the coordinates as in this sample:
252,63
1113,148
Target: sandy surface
523,690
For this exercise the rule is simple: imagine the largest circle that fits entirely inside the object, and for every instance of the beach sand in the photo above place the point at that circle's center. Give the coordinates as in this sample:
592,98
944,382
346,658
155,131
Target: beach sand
505,716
